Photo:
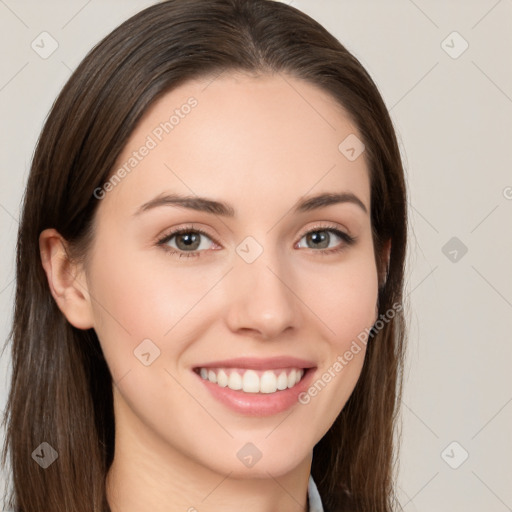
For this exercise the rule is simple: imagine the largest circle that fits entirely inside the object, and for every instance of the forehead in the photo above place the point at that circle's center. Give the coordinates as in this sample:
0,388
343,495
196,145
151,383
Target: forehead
272,138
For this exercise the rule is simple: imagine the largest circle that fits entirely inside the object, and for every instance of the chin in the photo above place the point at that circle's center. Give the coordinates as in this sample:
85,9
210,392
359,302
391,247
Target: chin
249,461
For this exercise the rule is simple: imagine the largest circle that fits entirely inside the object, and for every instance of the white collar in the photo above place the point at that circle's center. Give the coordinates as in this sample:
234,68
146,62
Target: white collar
315,502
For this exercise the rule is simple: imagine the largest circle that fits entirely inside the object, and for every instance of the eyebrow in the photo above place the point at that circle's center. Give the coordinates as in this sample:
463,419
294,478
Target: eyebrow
203,204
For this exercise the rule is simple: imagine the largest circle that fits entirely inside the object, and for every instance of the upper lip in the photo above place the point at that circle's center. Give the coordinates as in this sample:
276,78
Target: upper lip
255,363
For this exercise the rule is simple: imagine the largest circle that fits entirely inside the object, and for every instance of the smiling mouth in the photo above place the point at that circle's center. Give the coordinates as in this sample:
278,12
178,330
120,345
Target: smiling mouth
253,381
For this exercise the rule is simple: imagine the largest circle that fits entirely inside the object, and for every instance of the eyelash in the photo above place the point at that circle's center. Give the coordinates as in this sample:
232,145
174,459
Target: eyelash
349,240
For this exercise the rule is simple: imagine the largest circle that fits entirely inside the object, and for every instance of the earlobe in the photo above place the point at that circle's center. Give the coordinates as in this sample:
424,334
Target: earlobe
66,280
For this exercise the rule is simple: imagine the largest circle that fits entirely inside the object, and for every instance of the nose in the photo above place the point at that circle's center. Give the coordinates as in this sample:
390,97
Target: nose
261,301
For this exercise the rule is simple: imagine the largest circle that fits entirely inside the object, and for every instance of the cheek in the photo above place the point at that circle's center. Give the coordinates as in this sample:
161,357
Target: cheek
135,299
343,297
352,307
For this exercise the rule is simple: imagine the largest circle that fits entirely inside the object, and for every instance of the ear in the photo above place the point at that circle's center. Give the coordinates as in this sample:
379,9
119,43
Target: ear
66,280
386,253
383,271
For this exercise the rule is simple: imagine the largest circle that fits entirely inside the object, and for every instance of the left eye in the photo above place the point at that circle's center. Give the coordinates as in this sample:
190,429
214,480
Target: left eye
321,238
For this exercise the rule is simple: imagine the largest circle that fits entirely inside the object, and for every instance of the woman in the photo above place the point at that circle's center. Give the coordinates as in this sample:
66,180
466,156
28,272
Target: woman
209,274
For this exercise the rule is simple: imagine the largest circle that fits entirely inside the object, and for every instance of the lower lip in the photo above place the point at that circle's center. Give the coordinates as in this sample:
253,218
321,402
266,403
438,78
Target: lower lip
259,404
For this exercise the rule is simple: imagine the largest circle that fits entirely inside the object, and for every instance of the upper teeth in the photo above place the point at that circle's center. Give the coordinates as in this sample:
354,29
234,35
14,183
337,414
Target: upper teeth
252,381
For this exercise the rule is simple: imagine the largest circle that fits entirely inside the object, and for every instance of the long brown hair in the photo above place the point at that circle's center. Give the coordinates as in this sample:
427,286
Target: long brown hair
61,388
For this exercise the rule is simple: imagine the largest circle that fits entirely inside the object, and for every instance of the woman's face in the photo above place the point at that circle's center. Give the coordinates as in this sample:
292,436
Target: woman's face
257,292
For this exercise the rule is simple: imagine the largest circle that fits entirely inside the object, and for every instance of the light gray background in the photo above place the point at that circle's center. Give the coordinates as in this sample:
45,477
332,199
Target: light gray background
454,122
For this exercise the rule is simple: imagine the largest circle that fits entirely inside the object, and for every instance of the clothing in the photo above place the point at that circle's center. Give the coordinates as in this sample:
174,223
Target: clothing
315,502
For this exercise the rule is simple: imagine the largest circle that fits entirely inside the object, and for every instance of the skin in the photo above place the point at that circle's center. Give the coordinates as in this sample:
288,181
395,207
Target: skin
260,144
